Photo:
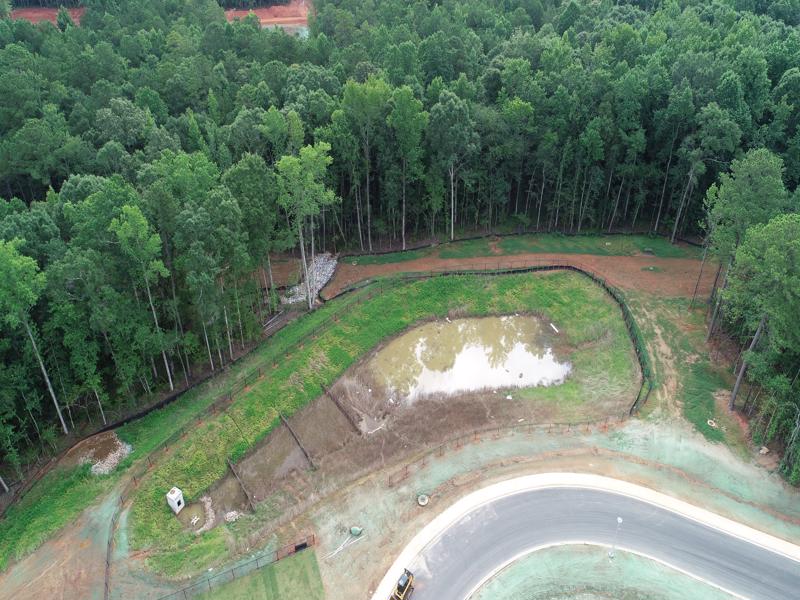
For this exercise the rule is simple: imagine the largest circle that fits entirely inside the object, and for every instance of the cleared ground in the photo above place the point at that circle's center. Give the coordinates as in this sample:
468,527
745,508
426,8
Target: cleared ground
276,471
662,453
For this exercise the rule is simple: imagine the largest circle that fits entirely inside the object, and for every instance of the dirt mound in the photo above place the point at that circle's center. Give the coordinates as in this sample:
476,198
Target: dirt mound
104,451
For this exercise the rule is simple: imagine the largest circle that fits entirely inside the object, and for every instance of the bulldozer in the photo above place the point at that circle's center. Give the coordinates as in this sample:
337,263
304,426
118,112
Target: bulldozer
405,586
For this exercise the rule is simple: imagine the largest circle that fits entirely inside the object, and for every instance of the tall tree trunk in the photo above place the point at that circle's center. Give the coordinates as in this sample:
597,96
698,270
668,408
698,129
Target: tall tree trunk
305,266
271,280
403,217
36,427
664,187
529,192
238,312
616,206
357,193
559,183
227,328
718,303
208,346
700,275
3,483
680,206
46,376
452,172
184,367
541,200
219,351
369,208
313,254
100,404
158,332
177,313
743,368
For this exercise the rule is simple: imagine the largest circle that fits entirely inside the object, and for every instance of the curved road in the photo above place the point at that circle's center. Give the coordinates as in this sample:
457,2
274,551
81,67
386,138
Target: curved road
454,564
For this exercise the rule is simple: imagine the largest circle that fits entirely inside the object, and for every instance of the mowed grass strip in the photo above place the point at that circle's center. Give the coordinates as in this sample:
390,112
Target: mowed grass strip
294,578
588,315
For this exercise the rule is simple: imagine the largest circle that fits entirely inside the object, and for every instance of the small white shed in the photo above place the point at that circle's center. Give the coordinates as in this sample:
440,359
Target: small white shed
175,500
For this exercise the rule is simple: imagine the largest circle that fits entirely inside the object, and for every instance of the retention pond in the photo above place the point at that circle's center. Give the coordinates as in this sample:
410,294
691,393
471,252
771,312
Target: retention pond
464,355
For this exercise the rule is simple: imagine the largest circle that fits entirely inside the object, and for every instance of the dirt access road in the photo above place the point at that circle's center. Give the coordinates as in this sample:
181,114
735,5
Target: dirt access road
672,277
295,13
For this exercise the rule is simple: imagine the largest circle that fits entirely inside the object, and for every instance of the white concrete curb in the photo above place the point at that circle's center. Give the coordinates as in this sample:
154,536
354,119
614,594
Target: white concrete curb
442,522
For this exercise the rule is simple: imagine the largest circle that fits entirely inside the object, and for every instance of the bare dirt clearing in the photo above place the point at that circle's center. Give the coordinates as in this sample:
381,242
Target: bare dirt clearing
294,12
39,14
671,277
103,451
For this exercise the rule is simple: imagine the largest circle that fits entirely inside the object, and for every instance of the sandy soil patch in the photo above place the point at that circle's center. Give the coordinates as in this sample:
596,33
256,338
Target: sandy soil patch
103,451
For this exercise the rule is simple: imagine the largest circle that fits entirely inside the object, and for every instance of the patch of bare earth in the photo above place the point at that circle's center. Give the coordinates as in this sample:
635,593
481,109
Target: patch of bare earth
673,276
666,394
103,451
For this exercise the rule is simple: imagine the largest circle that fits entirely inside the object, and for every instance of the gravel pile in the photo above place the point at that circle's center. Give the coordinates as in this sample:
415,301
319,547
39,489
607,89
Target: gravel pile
320,270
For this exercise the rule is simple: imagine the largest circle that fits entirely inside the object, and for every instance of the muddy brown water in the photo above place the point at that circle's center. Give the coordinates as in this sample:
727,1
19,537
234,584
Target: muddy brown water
466,355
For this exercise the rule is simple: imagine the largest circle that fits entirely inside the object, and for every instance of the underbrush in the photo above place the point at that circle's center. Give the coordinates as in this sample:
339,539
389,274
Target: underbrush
582,309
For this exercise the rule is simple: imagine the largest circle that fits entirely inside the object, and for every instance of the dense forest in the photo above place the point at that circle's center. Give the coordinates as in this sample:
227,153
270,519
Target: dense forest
154,157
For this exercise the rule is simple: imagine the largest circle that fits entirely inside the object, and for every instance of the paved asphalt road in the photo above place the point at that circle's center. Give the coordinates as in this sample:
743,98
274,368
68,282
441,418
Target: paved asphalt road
454,564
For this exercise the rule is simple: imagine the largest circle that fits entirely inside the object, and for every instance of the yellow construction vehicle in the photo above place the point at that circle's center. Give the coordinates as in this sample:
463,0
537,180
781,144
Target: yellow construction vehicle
405,586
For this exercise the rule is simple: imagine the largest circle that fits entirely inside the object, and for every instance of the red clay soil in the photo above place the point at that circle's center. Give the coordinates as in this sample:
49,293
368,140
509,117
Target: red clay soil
293,13
669,277
38,14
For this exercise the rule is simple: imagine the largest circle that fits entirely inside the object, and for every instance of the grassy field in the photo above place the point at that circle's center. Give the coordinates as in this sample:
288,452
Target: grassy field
293,578
591,319
550,243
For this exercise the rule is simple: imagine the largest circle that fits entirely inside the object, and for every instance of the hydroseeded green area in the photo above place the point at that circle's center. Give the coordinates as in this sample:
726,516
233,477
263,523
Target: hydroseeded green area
293,578
699,406
51,503
586,572
592,322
